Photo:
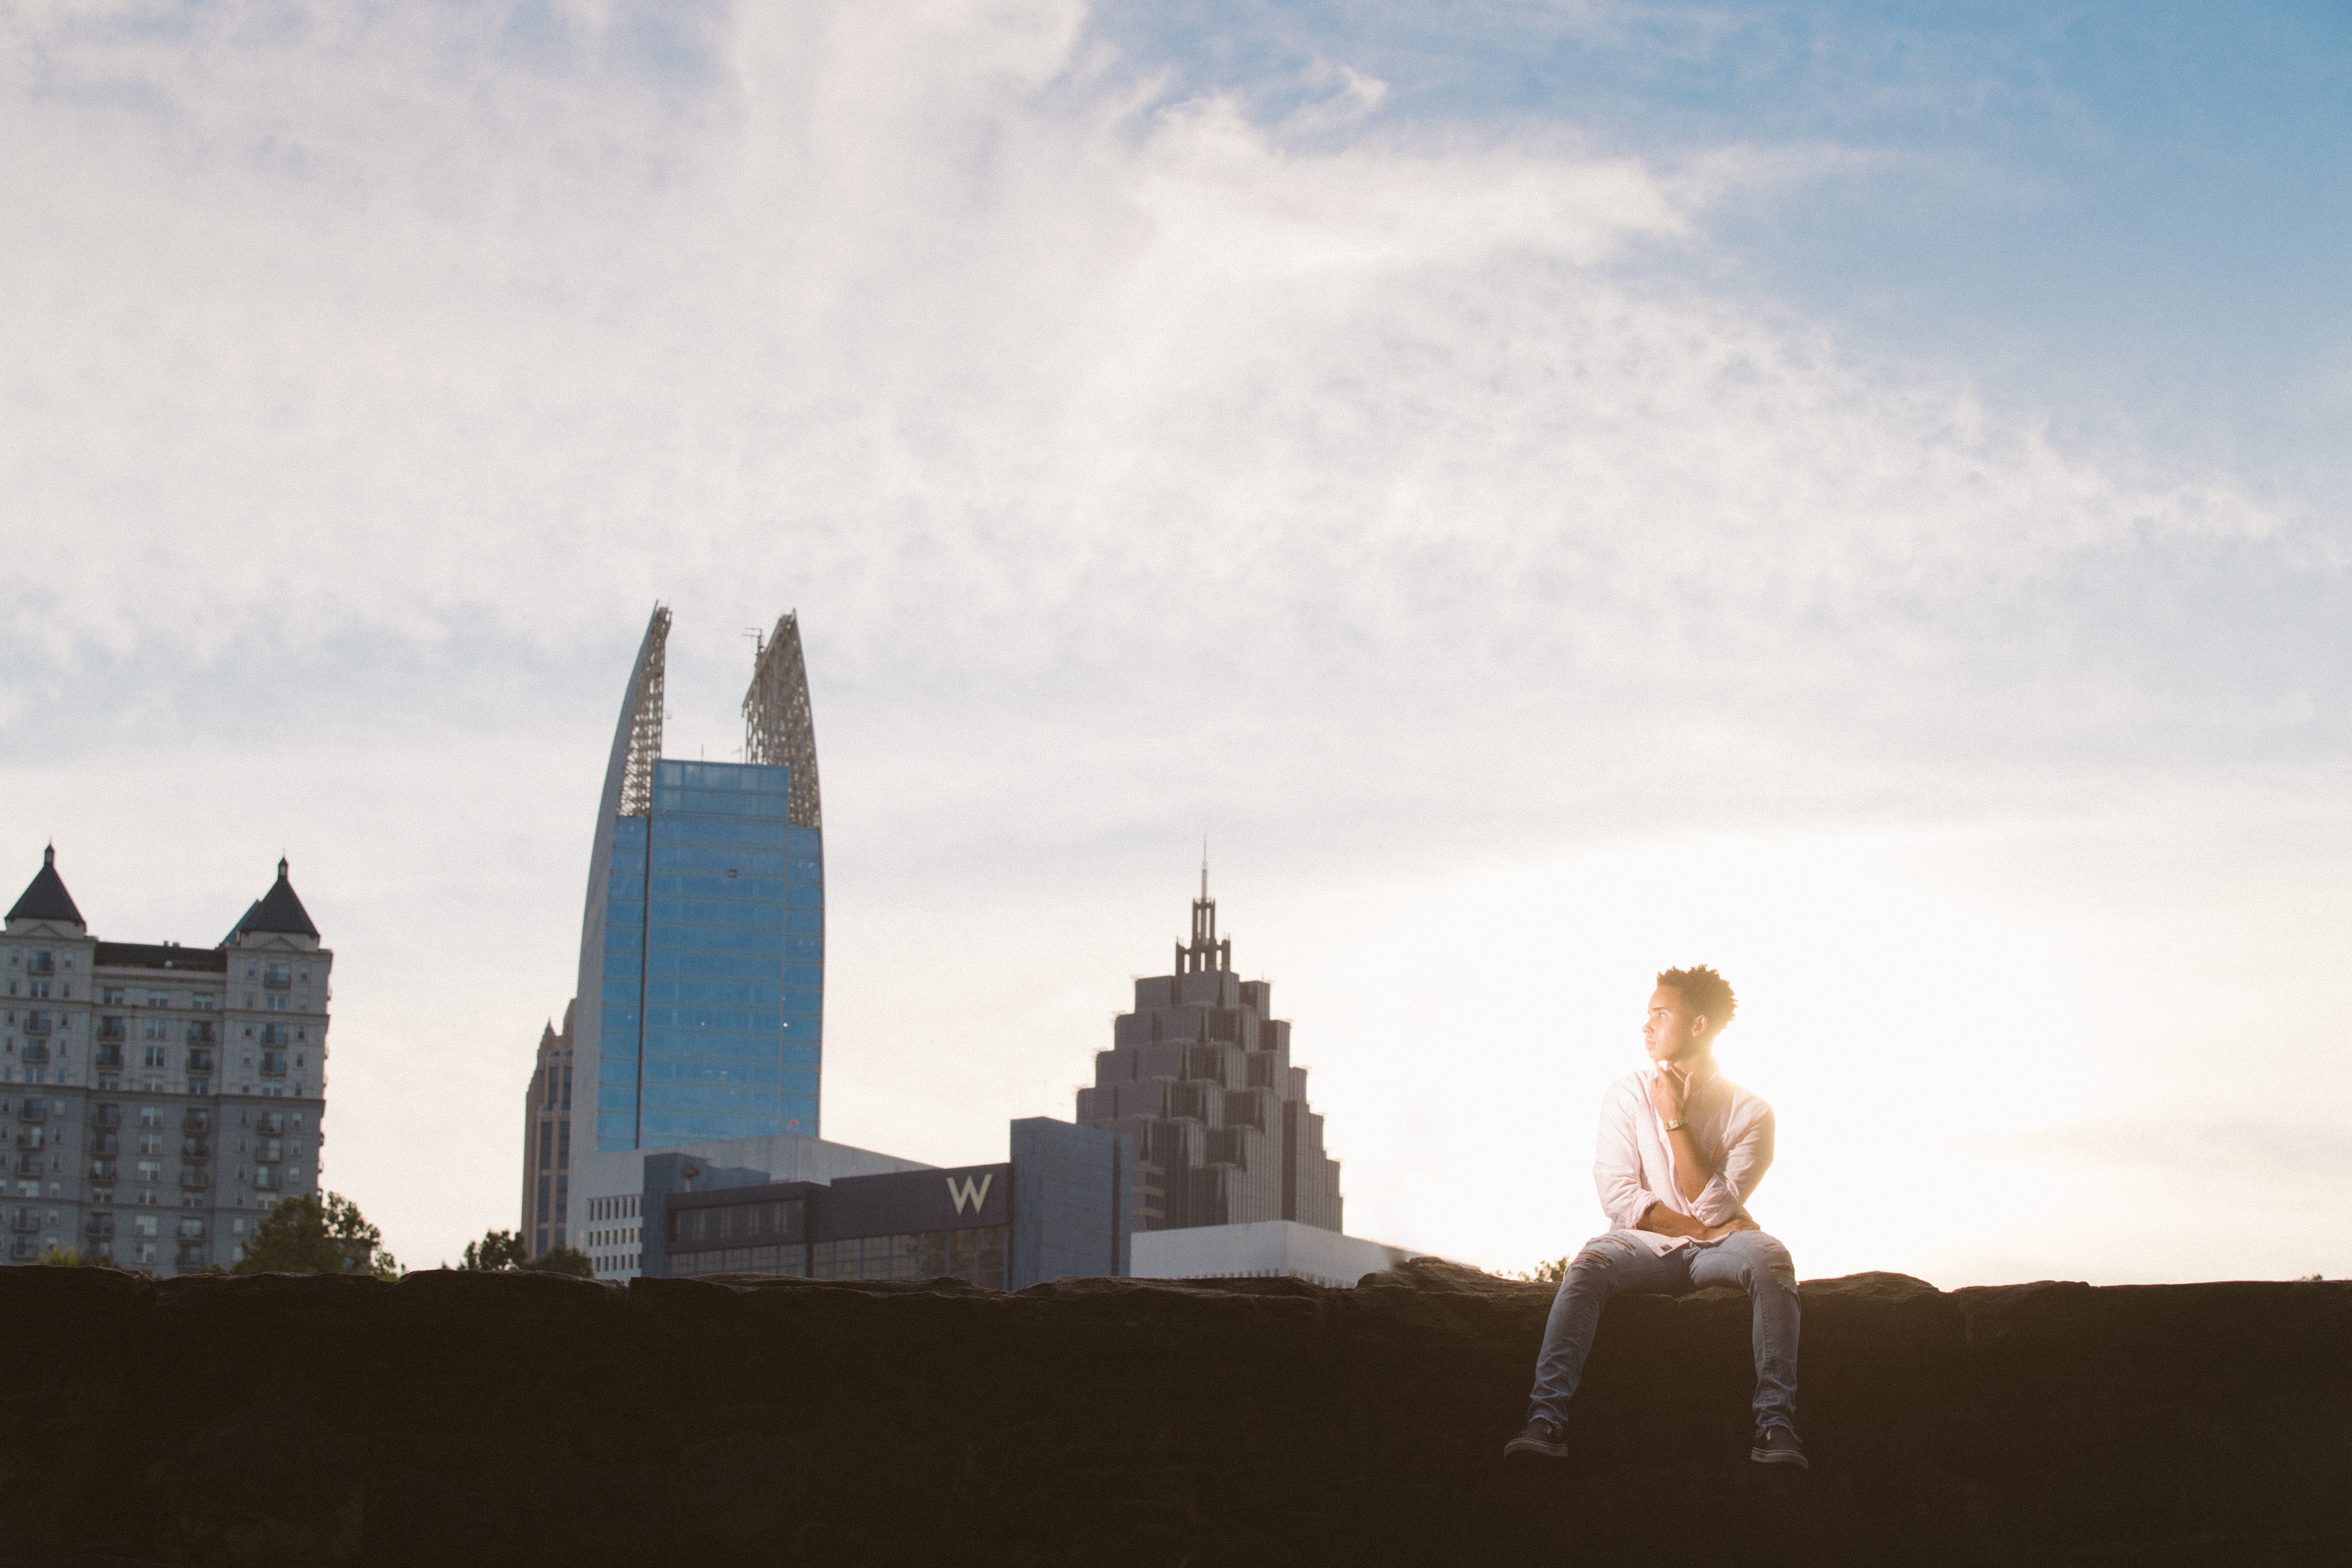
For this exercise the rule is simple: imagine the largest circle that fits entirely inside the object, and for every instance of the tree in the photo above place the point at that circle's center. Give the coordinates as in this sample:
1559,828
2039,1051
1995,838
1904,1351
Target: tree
1550,1273
74,1257
497,1249
564,1260
303,1235
507,1249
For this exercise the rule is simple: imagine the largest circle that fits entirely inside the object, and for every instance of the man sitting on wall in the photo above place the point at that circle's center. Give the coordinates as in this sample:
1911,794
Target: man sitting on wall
1681,1149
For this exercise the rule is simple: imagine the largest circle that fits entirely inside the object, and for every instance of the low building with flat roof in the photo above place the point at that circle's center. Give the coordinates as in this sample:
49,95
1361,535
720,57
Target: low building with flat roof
1260,1249
611,1186
1060,1205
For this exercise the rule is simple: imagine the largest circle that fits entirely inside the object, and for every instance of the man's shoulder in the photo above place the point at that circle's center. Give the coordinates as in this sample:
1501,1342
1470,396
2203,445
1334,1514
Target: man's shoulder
1635,1086
1745,1101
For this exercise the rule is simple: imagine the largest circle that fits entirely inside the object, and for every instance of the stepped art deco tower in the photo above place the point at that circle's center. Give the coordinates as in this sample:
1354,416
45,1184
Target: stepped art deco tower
700,1007
1199,1078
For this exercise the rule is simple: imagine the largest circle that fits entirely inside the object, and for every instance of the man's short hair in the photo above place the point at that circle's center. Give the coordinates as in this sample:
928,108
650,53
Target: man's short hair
1706,993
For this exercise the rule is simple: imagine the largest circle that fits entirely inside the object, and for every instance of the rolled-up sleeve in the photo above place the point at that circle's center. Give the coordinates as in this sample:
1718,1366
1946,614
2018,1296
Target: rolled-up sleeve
1724,1196
1617,1167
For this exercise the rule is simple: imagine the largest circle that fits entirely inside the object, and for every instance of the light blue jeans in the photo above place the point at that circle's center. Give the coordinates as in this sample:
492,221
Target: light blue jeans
1620,1264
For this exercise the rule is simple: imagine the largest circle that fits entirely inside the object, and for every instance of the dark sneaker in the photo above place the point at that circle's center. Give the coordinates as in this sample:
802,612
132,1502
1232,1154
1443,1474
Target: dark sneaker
1541,1437
1779,1445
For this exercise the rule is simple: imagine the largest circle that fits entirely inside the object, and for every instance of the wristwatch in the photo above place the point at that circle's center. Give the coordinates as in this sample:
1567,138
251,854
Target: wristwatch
1675,1126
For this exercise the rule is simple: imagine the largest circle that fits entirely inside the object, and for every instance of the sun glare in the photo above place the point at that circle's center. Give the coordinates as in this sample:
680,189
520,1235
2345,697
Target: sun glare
1886,1018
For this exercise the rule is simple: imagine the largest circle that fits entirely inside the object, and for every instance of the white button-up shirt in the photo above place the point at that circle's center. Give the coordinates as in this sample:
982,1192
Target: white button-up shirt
1634,1166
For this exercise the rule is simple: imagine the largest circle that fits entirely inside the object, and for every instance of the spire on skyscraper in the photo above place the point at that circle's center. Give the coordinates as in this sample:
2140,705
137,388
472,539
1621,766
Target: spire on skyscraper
778,726
1198,1077
1206,951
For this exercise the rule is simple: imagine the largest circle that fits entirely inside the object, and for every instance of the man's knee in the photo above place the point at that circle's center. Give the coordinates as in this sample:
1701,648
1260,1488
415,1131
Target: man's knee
1767,1261
1595,1264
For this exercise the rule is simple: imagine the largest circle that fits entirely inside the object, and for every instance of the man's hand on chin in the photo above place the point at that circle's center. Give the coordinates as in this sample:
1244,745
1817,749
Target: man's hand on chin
1669,1091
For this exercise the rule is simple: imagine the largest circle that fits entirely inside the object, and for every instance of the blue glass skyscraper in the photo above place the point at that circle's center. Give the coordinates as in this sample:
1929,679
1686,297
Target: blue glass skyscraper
703,944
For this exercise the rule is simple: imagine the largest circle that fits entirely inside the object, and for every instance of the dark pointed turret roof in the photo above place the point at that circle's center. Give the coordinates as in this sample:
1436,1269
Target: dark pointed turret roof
46,897
279,911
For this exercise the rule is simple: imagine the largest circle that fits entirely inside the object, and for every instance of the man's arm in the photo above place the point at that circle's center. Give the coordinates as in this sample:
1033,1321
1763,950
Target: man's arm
1617,1167
1670,1097
1744,1164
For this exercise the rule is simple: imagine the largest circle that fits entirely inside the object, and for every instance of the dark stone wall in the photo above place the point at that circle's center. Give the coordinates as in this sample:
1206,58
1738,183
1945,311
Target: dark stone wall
530,1418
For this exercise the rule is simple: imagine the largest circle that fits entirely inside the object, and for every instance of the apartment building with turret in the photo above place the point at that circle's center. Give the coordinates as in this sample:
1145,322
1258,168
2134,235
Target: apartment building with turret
155,1099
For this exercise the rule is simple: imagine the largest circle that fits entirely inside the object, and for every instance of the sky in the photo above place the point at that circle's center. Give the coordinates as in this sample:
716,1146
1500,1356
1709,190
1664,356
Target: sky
1851,494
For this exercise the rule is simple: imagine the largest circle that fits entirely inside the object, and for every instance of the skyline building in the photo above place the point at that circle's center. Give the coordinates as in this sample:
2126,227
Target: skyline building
546,1140
1198,1079
698,1013
157,1100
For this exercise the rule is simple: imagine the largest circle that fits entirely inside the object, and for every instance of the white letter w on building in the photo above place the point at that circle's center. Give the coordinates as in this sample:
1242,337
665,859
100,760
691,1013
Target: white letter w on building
971,1192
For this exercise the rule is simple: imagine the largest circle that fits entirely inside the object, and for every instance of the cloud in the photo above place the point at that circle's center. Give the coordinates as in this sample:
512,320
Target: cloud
344,320
2304,1157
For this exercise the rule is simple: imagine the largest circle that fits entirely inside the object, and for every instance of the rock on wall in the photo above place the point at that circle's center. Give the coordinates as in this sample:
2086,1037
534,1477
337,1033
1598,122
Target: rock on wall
530,1418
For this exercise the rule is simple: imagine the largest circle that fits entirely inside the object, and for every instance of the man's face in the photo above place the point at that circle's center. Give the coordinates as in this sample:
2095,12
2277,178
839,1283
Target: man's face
1667,1032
